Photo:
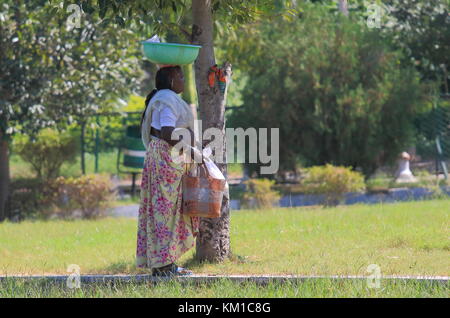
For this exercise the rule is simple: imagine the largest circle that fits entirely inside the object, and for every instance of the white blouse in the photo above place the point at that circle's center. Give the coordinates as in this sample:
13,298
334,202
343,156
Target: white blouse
163,117
166,108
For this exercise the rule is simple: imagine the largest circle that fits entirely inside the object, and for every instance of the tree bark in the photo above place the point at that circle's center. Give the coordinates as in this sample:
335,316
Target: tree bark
83,150
4,175
213,241
343,7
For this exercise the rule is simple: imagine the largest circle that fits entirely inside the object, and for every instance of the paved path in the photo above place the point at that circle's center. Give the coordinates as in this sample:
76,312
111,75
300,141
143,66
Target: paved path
298,200
131,211
198,279
128,211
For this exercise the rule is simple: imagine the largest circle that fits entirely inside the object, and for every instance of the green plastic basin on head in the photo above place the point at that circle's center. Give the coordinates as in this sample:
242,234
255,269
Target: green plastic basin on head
170,53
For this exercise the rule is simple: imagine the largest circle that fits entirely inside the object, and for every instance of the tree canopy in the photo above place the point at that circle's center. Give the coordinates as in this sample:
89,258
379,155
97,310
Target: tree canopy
51,72
341,95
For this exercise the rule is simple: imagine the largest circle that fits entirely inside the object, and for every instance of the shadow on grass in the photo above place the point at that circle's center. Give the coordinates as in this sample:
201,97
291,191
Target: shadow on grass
129,267
194,264
124,267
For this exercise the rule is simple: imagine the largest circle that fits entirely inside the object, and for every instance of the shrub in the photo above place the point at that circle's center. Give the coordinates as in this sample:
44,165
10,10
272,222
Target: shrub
26,199
333,182
433,184
89,194
378,184
260,194
48,152
31,198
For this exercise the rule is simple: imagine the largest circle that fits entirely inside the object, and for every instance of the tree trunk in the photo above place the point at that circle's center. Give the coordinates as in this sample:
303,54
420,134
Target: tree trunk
343,7
213,241
4,175
83,150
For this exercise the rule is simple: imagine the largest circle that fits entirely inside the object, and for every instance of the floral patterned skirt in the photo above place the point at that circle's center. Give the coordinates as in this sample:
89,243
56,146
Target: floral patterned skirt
164,233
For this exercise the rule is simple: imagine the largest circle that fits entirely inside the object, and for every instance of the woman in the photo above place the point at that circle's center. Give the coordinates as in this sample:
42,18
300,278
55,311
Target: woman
164,233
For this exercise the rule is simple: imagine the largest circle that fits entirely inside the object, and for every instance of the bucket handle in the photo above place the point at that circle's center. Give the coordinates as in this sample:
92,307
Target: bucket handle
198,168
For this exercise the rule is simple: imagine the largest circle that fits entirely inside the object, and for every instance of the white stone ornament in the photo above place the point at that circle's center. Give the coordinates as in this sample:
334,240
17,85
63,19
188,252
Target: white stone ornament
404,174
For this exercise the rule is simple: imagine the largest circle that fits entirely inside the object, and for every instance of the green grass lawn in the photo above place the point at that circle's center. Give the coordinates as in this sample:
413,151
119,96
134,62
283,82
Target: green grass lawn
107,164
226,289
403,239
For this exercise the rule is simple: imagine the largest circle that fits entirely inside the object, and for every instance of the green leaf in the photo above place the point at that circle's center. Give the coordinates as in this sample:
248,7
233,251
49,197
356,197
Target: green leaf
120,21
103,8
216,5
87,8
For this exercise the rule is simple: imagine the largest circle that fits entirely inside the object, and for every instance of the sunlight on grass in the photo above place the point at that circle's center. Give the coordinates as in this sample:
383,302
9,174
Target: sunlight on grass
403,239
107,164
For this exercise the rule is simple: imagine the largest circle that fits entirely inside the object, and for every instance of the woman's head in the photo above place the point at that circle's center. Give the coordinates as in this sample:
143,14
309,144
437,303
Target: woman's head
170,77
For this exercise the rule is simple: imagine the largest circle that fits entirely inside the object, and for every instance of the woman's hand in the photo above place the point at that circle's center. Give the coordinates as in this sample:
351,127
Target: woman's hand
195,153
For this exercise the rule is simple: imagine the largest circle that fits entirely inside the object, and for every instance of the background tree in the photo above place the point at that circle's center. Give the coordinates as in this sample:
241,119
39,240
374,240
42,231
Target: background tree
21,80
24,72
341,96
101,66
422,30
50,73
